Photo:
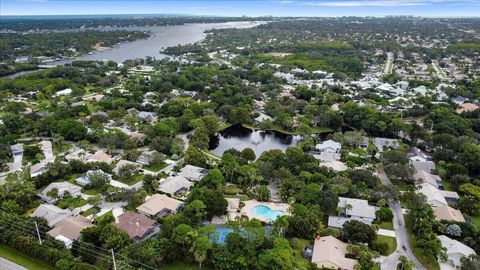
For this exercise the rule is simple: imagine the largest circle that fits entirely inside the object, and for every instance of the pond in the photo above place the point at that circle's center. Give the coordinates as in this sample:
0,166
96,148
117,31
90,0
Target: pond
240,137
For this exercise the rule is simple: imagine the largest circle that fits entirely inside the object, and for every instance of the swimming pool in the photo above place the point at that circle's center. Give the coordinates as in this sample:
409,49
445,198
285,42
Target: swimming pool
267,213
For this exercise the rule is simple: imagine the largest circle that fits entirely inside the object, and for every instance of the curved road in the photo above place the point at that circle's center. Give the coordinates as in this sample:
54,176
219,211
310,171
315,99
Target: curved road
401,235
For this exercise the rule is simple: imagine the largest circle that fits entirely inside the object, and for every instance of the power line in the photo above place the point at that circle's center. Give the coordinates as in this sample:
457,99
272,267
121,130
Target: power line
34,232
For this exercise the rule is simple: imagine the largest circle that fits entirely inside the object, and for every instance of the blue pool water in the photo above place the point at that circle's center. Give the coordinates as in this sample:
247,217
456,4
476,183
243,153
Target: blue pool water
220,236
266,212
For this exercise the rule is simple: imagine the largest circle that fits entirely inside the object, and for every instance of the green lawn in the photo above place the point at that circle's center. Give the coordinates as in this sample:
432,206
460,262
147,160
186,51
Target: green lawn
92,191
131,181
22,259
90,211
386,225
71,203
391,242
300,261
476,221
108,214
156,168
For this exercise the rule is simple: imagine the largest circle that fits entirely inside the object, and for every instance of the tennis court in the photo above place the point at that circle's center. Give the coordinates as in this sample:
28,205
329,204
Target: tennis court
222,235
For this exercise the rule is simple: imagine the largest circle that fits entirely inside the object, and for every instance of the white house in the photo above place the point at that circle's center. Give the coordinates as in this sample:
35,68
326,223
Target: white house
51,213
175,185
382,143
354,209
63,188
455,251
85,179
193,173
329,146
434,197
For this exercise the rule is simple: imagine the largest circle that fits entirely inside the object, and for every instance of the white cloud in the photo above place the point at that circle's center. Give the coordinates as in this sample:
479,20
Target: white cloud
286,1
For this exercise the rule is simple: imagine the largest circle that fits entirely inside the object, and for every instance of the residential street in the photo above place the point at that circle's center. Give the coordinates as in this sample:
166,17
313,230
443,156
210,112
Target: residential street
8,265
391,261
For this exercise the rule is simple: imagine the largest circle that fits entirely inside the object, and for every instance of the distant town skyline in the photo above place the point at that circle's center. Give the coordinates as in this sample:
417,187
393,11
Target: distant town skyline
426,8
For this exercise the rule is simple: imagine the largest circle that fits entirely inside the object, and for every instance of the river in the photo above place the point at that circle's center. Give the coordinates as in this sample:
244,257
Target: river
161,38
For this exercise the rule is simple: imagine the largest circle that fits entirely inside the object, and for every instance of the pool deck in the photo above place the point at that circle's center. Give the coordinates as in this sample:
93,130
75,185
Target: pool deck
250,204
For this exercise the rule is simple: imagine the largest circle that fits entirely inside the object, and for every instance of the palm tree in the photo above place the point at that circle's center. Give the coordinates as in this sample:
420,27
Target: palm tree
281,225
405,263
347,207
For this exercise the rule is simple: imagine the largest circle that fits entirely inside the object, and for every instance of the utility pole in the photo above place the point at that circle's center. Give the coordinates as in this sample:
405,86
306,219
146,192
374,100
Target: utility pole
38,233
113,259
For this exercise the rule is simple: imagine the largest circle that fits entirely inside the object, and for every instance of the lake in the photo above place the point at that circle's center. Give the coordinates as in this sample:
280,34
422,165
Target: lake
240,137
161,38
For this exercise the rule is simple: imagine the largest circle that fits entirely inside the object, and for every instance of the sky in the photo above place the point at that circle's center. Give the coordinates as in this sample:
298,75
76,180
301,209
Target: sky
426,8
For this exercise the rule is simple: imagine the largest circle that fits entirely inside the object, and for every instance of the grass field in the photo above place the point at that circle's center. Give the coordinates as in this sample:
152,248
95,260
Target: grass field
391,242
476,221
300,261
71,203
132,180
386,225
22,259
156,168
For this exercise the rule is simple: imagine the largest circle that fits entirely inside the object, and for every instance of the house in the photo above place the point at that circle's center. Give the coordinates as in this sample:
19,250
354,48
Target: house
175,185
146,157
459,100
329,252
426,177
64,92
63,188
51,213
93,97
450,196
327,156
76,155
448,213
38,168
427,166
193,173
467,107
122,163
354,209
455,250
68,229
17,149
416,154
84,180
159,205
364,143
329,146
137,226
150,117
382,143
262,118
434,197
99,156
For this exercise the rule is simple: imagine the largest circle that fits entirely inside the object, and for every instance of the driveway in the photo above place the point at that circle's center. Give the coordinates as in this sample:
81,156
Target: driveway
401,235
8,265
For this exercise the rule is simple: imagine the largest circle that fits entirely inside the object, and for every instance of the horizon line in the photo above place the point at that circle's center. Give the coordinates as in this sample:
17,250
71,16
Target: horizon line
236,16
